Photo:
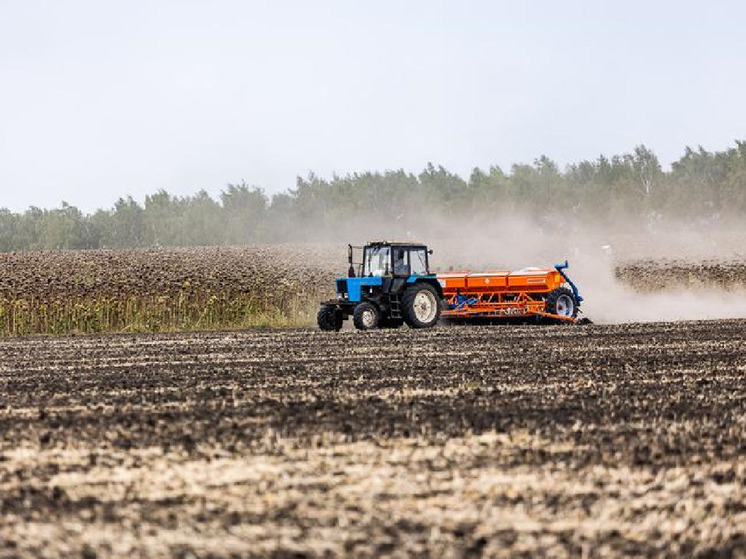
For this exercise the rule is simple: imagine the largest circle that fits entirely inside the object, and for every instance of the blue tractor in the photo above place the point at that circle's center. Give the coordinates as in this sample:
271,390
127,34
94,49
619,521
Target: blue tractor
390,287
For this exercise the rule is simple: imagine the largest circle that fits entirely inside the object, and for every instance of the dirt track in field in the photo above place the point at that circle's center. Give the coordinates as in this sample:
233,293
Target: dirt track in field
459,441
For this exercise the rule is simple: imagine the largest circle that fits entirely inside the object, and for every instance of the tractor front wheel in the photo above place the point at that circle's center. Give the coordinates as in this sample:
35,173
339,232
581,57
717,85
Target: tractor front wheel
366,316
329,318
421,306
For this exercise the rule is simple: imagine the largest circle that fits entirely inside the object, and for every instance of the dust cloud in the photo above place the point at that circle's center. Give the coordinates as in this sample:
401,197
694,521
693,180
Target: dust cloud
607,300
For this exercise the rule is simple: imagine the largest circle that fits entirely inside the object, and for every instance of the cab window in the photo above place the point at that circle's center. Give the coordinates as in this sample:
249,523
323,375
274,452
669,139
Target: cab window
401,266
376,262
418,262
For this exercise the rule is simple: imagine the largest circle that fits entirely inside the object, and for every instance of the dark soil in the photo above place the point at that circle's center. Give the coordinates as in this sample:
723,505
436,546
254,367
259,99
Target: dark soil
460,441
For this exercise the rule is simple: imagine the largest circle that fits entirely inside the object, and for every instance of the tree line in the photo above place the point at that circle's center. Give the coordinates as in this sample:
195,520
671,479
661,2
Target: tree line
702,187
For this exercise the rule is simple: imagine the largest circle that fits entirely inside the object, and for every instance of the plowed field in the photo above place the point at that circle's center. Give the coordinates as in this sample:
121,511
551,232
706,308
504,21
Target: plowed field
457,441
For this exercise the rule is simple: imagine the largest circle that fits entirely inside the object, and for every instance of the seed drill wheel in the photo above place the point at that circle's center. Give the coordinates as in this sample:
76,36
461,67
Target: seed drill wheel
366,316
562,302
421,306
329,318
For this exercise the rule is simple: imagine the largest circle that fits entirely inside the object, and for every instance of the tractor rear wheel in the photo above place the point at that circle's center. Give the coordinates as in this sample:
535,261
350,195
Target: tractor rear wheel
562,302
421,306
366,316
329,318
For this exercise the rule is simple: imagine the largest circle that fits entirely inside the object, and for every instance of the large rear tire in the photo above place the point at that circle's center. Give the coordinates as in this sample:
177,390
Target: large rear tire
329,318
562,302
366,316
421,306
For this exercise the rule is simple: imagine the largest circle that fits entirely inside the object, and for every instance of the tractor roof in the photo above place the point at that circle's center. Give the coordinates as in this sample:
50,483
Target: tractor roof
394,243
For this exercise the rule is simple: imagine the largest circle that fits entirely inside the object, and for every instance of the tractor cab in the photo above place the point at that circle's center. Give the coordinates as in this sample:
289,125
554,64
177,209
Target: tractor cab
393,260
389,286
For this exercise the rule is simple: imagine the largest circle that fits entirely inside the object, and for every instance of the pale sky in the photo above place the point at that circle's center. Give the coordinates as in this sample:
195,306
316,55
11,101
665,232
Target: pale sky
102,99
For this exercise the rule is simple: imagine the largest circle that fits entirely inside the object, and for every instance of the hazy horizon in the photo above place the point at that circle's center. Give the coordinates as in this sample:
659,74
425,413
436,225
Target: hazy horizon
101,101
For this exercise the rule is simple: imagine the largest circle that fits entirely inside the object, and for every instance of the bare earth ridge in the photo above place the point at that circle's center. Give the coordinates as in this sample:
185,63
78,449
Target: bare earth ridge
457,441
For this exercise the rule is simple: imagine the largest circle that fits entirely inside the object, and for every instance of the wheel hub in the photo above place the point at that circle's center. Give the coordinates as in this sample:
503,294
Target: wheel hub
565,305
425,306
369,319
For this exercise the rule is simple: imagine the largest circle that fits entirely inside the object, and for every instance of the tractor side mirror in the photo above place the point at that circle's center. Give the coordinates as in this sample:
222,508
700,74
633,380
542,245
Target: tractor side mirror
430,251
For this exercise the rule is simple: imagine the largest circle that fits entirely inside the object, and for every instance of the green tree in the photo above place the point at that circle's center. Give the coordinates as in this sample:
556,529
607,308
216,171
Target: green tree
646,168
440,188
63,228
8,225
244,210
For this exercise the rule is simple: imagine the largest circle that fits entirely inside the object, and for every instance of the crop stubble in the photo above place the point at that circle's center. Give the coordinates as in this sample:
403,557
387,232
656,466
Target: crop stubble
669,274
458,440
61,292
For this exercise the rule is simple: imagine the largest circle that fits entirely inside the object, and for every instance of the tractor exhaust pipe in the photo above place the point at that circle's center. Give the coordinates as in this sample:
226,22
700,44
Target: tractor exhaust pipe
351,270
